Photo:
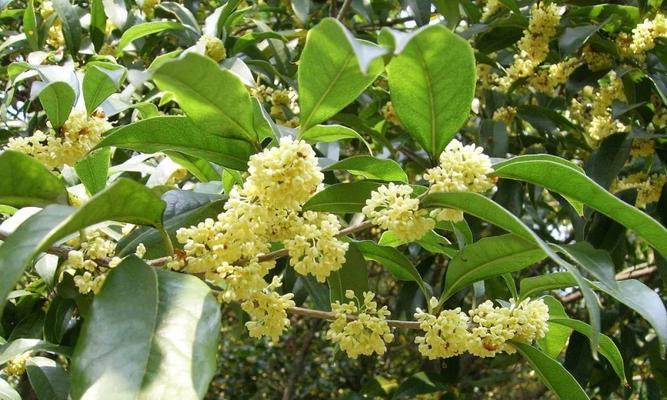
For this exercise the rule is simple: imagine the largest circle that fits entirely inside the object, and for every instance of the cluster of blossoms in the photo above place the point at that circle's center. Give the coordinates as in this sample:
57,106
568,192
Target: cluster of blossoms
85,262
66,145
16,366
211,47
55,37
360,328
484,332
505,114
534,45
283,104
461,169
649,187
267,208
645,34
592,109
547,80
389,113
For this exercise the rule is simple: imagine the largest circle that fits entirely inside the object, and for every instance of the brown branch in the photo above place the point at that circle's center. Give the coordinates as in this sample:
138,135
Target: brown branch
637,271
328,315
344,10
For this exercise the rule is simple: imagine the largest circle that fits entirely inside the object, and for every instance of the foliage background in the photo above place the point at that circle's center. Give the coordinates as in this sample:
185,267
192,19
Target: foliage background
269,36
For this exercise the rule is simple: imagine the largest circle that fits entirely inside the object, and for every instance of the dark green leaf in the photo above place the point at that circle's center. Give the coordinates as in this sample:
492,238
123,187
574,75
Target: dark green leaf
93,170
214,98
331,133
532,286
69,16
371,168
575,185
25,182
330,73
98,85
124,201
57,99
489,257
98,22
49,380
352,276
180,134
172,322
147,28
607,346
342,197
552,373
30,25
432,82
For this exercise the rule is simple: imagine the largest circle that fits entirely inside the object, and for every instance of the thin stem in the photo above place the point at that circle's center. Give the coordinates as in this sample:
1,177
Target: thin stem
344,10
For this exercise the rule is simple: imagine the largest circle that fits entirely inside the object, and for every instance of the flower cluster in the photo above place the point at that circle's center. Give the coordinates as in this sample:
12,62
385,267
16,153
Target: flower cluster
547,80
55,149
645,34
649,187
85,261
392,207
360,328
265,209
267,311
283,104
55,37
484,332
389,113
211,47
592,109
534,45
314,249
16,366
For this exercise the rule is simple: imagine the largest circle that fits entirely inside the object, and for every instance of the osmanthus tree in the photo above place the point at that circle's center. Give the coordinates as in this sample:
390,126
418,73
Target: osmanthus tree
166,163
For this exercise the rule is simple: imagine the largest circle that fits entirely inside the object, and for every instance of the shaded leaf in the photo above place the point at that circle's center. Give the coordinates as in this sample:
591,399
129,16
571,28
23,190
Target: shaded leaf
26,182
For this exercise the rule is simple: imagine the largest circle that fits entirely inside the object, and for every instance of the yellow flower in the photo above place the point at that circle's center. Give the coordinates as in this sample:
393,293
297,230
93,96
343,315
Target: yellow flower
284,176
445,335
268,311
505,115
644,34
596,61
391,207
85,258
212,47
366,334
649,188
78,135
16,366
462,169
389,113
642,148
315,249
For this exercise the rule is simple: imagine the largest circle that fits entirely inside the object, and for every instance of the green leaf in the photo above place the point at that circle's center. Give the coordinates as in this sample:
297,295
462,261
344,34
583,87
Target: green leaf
17,347
331,75
607,346
165,343
98,85
124,201
397,263
342,197
214,98
180,134
26,182
575,185
573,38
93,170
552,373
353,275
30,27
98,21
371,168
183,208
645,301
49,380
557,335
489,257
332,133
432,82
69,17
534,285
147,28
57,99
486,209
7,392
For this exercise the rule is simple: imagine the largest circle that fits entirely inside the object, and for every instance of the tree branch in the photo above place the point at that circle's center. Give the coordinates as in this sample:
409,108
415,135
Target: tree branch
634,272
344,10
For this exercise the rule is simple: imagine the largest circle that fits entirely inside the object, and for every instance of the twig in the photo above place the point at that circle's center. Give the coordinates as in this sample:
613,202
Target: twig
634,272
307,312
344,10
